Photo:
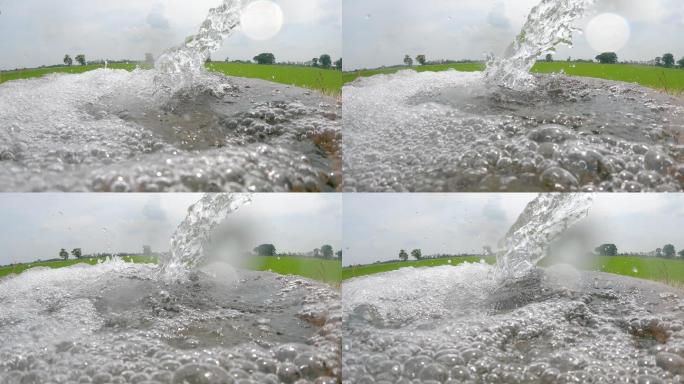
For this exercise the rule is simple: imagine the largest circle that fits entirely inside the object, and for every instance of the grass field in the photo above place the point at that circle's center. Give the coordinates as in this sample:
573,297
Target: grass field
322,80
669,271
327,271
670,80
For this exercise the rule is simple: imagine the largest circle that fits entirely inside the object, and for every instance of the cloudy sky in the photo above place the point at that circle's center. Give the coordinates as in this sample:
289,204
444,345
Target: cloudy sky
381,32
37,226
41,32
376,227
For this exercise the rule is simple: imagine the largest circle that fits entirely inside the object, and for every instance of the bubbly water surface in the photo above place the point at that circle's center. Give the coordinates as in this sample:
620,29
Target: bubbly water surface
174,128
118,323
460,325
450,131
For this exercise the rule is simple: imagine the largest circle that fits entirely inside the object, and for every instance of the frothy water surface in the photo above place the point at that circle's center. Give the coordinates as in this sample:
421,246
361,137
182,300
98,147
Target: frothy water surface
458,325
449,131
118,323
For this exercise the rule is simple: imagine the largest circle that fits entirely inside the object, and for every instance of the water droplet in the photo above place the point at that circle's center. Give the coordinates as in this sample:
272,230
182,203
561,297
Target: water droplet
368,16
635,270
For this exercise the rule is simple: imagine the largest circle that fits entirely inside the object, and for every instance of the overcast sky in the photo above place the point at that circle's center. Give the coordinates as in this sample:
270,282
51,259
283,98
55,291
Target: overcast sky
377,226
37,226
41,32
381,32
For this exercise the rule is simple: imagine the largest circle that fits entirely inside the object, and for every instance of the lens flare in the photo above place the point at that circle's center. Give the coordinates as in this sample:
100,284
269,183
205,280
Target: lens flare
261,20
608,32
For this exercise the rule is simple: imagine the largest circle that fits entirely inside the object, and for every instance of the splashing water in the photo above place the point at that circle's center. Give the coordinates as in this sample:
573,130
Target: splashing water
464,324
117,322
542,221
502,132
176,127
548,25
193,235
183,66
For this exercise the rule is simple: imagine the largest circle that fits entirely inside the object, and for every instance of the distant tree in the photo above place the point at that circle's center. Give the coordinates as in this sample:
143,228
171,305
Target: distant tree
64,254
149,58
669,251
265,58
147,250
569,59
408,60
265,250
607,250
549,58
68,60
417,254
681,63
403,256
314,62
327,251
317,253
668,60
659,252
658,61
681,253
208,60
607,58
76,252
325,61
339,254
421,59
338,64
81,59
227,60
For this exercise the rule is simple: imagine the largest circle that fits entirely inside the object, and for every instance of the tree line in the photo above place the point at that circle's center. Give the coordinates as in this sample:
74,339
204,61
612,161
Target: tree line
81,59
668,251
326,251
667,60
324,61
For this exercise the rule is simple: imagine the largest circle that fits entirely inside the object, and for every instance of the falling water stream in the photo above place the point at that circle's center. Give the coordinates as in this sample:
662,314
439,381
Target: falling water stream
176,127
116,322
513,322
509,130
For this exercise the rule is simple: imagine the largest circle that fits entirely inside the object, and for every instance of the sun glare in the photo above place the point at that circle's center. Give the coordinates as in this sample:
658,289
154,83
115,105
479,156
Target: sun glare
608,32
261,20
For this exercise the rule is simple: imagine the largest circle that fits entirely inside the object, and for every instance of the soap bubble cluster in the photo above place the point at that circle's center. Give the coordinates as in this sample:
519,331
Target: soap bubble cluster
450,131
116,323
558,325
